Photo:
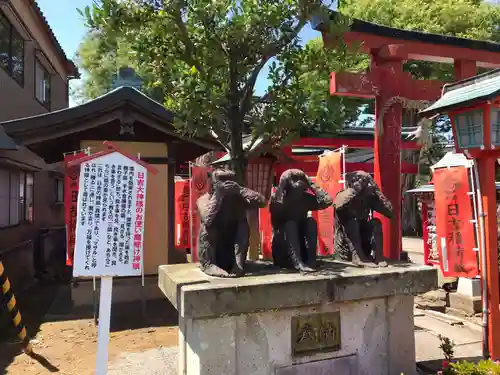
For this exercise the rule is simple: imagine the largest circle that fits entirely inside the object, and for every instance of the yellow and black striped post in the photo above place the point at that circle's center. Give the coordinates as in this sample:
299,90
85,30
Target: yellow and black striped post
10,300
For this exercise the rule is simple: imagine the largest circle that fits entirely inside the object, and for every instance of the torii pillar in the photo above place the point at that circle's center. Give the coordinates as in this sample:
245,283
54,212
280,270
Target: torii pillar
385,82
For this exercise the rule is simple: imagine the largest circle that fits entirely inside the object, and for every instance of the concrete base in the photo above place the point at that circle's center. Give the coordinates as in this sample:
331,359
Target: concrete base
469,287
465,304
467,298
245,326
125,290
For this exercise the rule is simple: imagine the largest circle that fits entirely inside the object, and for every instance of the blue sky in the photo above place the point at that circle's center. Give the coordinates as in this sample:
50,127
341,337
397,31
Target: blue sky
69,29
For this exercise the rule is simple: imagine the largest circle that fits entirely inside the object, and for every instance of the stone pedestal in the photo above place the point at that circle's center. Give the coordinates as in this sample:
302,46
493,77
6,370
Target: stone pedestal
340,320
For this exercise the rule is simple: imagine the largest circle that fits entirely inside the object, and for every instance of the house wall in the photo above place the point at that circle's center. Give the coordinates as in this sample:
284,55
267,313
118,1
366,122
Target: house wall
46,213
19,101
156,218
19,243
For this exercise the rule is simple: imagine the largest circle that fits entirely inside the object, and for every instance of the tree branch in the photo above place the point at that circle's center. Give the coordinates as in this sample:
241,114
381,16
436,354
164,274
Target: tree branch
223,135
254,139
210,34
267,96
249,86
188,55
217,136
268,53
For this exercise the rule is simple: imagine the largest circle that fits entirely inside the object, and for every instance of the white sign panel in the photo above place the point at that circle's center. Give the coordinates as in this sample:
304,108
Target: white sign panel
110,218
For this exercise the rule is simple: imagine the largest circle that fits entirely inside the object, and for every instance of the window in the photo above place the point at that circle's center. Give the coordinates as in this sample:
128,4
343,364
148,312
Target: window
11,50
16,197
42,84
59,190
469,129
495,126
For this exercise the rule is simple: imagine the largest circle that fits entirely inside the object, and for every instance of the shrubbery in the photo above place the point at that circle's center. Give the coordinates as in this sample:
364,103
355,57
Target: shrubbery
452,367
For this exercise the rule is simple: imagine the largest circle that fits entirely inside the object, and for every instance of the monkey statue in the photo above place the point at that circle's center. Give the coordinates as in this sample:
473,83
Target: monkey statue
295,233
223,237
358,238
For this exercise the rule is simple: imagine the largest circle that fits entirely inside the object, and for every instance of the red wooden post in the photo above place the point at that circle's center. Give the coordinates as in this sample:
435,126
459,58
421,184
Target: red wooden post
425,231
486,169
387,163
464,69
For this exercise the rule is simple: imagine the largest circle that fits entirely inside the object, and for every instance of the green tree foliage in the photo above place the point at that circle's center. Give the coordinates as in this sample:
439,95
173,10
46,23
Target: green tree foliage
206,56
473,19
100,58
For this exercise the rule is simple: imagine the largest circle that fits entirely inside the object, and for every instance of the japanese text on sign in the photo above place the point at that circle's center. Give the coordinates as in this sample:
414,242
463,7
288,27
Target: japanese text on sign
110,224
453,226
71,180
316,332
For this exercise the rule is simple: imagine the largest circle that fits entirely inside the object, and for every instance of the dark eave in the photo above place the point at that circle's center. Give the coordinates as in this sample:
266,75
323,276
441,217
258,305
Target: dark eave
361,26
38,123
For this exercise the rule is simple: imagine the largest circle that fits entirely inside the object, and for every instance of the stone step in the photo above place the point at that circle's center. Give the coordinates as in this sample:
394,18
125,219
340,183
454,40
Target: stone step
425,304
445,318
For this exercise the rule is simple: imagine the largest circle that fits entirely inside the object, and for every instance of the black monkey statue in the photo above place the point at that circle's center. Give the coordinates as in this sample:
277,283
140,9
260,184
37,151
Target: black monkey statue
358,238
224,233
295,233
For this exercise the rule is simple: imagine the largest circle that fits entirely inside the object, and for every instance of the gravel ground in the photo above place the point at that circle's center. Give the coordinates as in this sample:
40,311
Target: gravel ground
160,361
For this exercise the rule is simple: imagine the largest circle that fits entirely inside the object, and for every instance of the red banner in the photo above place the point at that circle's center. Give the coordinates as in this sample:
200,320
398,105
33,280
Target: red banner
455,232
266,231
182,220
328,178
71,181
198,186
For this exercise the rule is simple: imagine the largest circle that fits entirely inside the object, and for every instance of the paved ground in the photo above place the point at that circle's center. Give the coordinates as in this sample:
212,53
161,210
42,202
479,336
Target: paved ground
160,361
467,339
466,336
415,249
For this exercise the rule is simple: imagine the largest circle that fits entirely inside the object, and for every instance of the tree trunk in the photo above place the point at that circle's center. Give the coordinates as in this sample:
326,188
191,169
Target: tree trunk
239,164
238,158
409,212
254,240
409,209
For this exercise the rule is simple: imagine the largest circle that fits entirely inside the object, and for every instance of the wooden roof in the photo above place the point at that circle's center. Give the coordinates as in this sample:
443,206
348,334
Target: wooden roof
466,93
415,45
124,114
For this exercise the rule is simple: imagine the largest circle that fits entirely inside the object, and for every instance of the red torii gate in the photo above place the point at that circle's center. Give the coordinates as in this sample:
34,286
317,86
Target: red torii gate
389,48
